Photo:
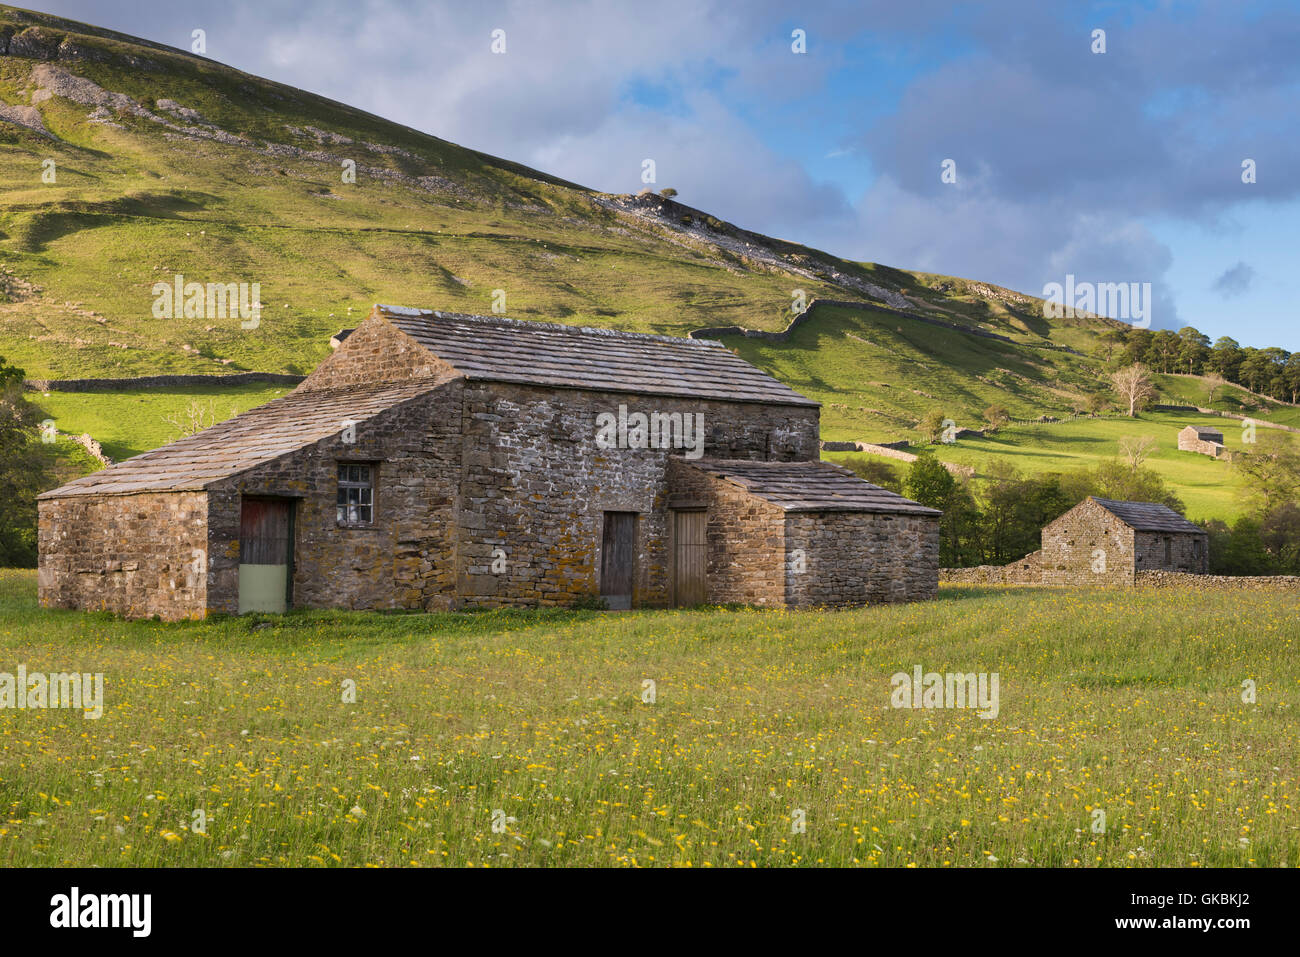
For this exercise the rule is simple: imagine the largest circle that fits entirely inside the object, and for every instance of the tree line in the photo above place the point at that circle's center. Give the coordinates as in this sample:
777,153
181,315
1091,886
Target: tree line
1270,371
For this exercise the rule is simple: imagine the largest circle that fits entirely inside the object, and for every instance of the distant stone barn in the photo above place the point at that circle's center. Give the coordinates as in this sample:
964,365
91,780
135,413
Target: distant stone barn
1203,439
439,461
1104,542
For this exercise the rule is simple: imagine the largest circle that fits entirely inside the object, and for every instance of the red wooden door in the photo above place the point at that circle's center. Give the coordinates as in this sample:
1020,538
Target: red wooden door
265,554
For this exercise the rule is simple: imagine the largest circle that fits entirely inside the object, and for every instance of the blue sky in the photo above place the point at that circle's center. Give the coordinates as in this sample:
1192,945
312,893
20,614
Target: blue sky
1122,166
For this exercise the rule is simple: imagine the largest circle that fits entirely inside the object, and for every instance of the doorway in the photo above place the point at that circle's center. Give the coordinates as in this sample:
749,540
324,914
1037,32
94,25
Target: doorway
265,555
690,556
618,560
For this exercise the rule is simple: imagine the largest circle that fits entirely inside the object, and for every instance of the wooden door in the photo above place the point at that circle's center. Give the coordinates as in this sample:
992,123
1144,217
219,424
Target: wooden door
618,559
265,554
690,556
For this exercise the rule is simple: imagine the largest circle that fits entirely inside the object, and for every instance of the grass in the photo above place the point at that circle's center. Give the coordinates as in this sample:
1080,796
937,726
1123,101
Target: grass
1111,700
1195,390
877,374
128,423
1209,488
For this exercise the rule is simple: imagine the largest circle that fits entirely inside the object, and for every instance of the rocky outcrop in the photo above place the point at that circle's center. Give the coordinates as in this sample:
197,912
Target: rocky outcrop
27,117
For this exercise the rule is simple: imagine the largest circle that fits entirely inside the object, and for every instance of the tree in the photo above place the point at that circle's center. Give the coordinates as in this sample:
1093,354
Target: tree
667,192
1291,376
1225,358
1244,551
194,419
931,425
26,469
1165,349
1194,348
996,416
1096,402
1013,511
874,471
1116,479
1134,386
1256,369
1136,450
1280,533
928,482
1271,468
1213,383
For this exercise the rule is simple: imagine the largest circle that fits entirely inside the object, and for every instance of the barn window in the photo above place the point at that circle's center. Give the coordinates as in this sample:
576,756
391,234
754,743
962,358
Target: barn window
356,499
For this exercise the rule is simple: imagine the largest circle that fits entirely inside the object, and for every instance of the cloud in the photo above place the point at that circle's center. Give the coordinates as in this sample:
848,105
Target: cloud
1234,281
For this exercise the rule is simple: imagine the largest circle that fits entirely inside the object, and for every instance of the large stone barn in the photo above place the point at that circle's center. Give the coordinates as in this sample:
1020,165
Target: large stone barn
437,461
1101,541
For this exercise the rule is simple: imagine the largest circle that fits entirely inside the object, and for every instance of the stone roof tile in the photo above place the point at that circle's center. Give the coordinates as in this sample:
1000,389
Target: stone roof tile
811,487
1148,516
253,438
498,349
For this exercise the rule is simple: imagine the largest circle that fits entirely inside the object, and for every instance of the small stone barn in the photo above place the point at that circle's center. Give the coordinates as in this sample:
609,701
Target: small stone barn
1104,542
438,460
1203,439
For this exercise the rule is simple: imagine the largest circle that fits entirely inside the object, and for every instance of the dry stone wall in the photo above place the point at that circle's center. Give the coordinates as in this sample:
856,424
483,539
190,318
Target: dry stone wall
1026,571
1164,579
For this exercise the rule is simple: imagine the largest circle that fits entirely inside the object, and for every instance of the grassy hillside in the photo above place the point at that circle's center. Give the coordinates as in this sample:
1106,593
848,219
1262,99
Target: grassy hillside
131,422
169,163
877,373
166,163
1209,488
1106,701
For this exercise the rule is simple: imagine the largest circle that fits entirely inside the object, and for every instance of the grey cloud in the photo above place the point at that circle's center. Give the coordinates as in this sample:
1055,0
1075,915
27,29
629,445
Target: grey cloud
1234,281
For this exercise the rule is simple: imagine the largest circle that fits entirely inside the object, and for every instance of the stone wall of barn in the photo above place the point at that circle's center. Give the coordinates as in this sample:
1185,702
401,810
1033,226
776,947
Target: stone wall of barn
746,561
1171,552
134,555
1190,441
536,485
376,351
406,559
1087,546
858,558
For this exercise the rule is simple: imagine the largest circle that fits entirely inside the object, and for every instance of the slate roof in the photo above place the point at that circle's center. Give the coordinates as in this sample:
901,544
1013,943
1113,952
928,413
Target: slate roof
1206,431
1148,516
257,436
497,349
811,487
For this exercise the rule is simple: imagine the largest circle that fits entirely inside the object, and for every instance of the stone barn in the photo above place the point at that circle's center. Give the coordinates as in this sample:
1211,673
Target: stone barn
1104,542
438,460
1203,439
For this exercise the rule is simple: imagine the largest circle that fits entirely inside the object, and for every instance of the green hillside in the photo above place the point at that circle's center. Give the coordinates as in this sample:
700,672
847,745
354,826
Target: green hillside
167,163
124,163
